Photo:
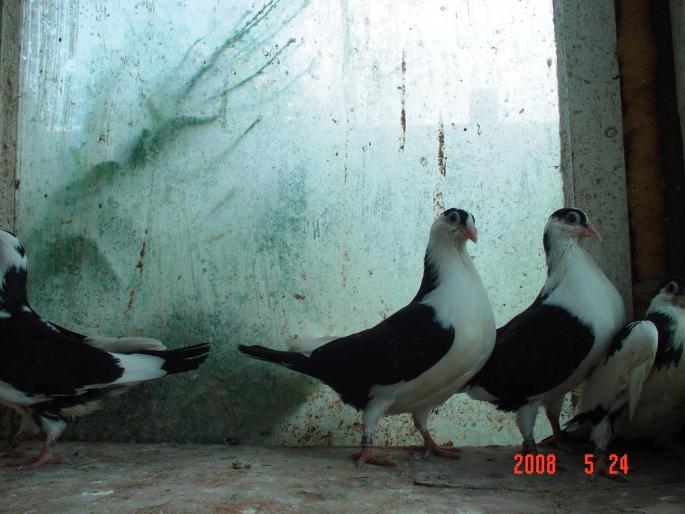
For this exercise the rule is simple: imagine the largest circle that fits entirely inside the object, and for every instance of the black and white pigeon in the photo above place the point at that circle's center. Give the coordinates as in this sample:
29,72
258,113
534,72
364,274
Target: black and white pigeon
416,358
660,414
552,346
55,374
614,388
28,428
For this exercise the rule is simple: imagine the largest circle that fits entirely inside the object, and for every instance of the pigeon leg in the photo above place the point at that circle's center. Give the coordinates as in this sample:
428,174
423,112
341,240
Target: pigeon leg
367,455
602,467
372,414
429,446
27,430
45,456
553,411
53,425
602,434
525,420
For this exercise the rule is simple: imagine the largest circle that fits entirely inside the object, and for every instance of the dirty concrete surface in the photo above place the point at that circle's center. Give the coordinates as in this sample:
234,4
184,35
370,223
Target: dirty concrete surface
106,477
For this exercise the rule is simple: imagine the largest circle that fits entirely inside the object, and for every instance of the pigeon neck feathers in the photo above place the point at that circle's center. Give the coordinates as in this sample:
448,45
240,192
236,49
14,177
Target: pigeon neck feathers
560,250
567,260
448,271
438,263
575,283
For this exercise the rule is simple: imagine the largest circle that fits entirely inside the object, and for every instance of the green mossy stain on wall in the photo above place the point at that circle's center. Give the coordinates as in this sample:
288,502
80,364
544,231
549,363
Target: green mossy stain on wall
85,249
150,143
71,257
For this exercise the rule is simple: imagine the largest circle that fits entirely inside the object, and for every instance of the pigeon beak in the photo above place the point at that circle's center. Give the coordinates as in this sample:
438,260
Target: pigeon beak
471,233
592,232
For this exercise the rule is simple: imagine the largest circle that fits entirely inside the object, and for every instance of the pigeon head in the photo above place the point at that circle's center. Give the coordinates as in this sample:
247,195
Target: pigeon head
669,294
12,253
453,227
570,225
447,242
13,265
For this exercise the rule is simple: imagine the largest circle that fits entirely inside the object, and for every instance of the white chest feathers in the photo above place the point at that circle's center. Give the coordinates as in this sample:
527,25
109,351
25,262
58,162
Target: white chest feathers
578,285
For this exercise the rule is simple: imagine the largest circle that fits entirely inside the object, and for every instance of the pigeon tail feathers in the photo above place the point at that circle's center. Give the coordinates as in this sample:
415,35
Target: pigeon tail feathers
182,359
292,360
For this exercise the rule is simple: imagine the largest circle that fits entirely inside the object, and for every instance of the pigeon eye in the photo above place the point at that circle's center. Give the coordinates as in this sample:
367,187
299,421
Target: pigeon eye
671,288
454,217
572,218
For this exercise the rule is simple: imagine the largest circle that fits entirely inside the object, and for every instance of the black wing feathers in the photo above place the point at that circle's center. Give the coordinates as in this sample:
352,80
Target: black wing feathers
536,351
38,360
668,353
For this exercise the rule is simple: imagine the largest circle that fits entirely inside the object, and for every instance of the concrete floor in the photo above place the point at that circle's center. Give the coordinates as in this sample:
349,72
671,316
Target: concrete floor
107,477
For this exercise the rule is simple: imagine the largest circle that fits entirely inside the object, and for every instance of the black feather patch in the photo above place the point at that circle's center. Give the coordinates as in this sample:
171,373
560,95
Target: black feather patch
182,359
535,352
562,213
38,360
668,352
546,245
13,293
429,281
463,215
617,341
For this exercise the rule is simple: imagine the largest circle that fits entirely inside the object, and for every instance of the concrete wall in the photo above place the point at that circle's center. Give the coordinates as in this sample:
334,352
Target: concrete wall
249,174
591,129
10,21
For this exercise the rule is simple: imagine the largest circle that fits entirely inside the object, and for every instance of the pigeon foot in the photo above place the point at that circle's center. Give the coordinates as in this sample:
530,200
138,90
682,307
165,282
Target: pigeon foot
367,455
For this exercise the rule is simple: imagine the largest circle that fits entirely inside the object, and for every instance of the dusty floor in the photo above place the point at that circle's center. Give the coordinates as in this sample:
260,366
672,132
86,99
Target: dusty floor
242,479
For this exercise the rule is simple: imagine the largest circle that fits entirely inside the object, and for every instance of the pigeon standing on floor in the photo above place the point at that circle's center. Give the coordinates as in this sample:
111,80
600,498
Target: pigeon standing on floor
614,388
552,346
28,428
56,374
660,414
418,357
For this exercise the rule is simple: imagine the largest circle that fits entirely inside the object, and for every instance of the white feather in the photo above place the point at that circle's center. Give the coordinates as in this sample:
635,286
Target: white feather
9,395
618,380
636,383
138,368
82,409
307,345
125,344
661,409
9,256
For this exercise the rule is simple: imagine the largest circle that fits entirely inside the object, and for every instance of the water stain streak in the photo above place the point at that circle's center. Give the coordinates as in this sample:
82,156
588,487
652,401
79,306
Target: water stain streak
403,91
442,158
